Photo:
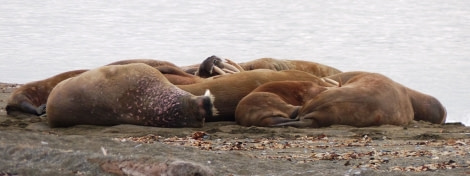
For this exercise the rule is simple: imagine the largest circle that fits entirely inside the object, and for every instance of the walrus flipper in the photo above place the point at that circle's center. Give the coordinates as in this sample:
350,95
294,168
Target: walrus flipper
26,107
41,109
278,121
304,123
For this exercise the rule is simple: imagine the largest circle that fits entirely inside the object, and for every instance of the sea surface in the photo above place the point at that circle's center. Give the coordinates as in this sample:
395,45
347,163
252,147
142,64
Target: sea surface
424,45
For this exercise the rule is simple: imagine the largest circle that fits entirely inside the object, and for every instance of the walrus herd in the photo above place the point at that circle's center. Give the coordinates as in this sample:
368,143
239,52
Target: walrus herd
263,92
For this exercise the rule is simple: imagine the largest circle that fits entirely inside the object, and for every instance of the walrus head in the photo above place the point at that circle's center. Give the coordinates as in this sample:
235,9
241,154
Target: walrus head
205,106
214,66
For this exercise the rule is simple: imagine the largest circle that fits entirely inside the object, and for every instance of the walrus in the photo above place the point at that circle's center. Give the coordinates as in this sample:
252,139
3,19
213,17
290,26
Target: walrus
230,89
213,66
177,76
172,72
314,68
31,98
126,94
425,107
364,99
275,102
150,62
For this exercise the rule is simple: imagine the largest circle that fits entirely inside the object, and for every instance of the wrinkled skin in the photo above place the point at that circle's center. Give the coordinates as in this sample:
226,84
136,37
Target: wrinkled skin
125,94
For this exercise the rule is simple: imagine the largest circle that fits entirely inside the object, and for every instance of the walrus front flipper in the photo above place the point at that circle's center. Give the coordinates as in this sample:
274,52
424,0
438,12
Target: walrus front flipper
304,123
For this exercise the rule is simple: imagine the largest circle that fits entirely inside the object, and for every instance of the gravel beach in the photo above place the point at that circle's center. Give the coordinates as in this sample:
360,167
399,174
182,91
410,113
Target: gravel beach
28,146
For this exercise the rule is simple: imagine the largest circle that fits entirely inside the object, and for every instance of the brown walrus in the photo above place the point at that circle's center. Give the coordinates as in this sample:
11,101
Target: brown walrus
125,94
177,76
275,102
150,62
314,68
230,89
425,107
31,97
213,66
364,99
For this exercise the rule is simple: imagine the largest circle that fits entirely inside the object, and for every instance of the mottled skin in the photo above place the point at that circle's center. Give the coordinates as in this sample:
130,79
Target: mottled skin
31,98
425,107
365,99
230,89
125,94
275,102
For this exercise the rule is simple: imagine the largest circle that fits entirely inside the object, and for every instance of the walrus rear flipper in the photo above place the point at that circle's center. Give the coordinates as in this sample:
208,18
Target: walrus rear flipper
26,107
304,123
278,121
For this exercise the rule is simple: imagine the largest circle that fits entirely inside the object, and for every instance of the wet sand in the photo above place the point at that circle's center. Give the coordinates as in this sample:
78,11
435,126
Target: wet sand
29,147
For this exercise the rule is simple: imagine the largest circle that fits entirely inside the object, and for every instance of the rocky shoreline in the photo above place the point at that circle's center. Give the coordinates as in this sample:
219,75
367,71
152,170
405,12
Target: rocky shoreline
30,147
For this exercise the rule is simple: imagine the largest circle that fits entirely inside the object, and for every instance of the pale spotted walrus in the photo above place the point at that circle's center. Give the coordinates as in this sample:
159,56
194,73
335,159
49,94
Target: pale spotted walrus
125,94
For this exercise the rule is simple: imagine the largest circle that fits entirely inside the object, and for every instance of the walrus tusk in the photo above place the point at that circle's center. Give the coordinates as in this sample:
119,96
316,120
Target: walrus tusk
229,71
331,81
218,70
232,65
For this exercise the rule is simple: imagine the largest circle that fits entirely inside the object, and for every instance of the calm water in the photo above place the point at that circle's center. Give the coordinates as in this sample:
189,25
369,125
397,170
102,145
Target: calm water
424,45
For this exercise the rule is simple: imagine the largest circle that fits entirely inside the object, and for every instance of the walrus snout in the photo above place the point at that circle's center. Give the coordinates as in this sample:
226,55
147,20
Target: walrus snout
206,105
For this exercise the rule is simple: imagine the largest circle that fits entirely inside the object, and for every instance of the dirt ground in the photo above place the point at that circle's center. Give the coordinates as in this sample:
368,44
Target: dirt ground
29,147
